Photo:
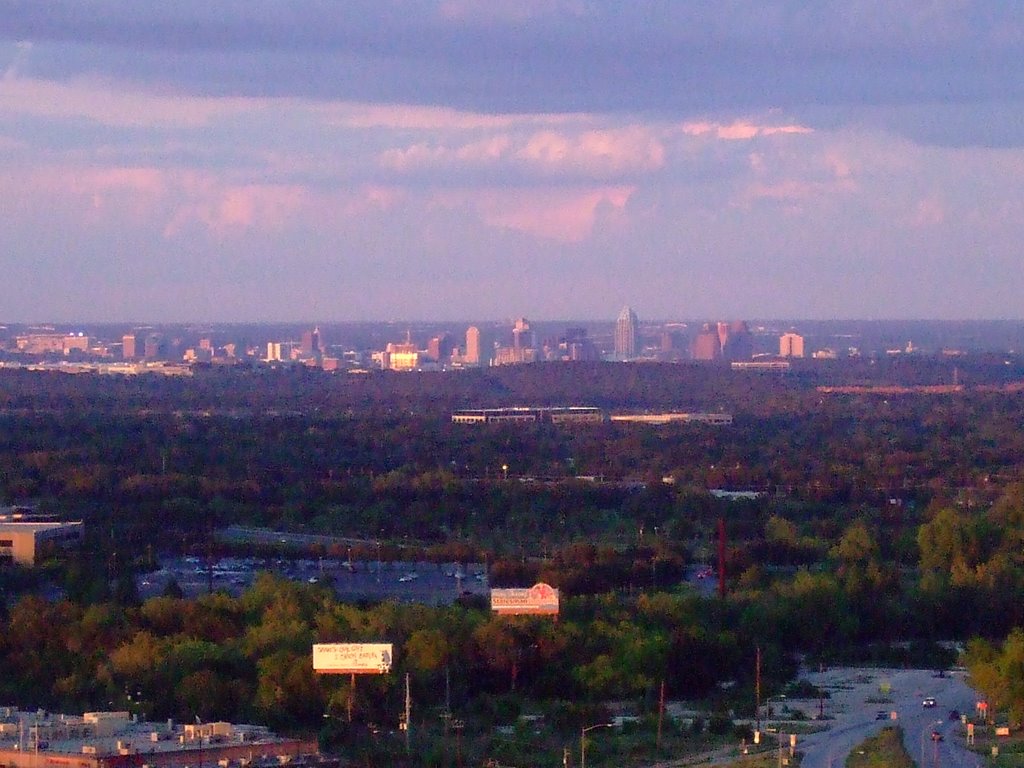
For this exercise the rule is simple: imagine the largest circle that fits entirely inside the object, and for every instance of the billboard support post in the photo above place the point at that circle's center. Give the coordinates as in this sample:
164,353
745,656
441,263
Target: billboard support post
351,695
352,659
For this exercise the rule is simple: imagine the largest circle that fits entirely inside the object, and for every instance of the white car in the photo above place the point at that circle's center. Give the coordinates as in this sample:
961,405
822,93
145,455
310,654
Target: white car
928,702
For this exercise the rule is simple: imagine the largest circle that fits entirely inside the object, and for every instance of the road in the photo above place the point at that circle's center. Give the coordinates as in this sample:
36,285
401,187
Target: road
857,698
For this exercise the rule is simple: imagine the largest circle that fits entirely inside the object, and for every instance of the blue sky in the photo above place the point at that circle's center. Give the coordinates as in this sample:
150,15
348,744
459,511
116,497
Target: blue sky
457,159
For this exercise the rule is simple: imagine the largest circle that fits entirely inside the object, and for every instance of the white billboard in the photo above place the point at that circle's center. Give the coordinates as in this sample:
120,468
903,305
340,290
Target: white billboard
352,658
538,599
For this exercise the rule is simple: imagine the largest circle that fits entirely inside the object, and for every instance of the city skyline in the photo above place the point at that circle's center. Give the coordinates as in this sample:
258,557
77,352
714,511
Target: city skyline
445,159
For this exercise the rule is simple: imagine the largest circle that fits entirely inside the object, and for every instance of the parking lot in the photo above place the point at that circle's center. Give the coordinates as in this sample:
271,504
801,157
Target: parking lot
428,583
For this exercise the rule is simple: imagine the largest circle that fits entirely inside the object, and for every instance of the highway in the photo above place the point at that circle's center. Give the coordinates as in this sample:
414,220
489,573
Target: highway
858,695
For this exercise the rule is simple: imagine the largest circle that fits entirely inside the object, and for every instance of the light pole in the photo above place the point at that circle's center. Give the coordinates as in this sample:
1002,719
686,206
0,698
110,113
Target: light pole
583,740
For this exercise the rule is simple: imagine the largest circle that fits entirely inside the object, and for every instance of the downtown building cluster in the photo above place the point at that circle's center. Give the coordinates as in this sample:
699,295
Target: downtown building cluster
176,351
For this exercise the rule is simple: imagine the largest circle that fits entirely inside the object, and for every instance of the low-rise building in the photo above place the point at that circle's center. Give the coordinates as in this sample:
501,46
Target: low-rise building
572,414
118,740
673,417
26,541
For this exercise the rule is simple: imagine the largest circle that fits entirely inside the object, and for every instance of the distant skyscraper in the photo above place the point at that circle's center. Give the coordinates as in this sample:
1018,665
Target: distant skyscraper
791,345
440,347
473,355
522,338
706,345
311,343
128,346
738,343
155,347
625,334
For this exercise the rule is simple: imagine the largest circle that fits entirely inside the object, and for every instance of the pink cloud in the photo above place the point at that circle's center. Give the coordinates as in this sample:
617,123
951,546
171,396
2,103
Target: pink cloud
412,117
599,152
231,209
368,200
424,156
566,215
741,130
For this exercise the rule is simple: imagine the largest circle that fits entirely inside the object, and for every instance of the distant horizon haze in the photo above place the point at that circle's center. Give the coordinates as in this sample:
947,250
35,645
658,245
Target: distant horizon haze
261,161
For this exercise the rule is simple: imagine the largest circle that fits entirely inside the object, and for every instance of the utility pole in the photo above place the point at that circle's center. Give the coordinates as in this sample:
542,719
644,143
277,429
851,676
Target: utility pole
721,557
351,694
757,689
408,708
447,690
661,713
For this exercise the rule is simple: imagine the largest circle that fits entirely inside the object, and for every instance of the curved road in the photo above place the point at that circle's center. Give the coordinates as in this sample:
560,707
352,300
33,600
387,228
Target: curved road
855,702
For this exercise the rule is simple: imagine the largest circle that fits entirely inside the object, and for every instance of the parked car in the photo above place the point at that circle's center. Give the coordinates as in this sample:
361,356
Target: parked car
928,702
954,714
936,736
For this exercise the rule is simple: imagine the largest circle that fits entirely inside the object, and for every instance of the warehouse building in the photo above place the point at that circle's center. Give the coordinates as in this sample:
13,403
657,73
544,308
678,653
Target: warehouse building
118,740
26,541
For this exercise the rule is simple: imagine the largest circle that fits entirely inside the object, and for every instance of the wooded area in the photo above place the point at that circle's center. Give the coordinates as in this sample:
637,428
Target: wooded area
883,525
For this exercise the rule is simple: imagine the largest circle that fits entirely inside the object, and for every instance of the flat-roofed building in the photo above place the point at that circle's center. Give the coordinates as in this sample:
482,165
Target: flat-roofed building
117,740
571,414
720,419
791,345
25,542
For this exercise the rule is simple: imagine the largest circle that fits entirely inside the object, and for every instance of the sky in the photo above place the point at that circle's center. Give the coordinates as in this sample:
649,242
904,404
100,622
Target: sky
271,160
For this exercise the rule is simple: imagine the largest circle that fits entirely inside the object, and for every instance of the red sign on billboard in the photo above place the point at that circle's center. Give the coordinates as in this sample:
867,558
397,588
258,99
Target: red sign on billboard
539,599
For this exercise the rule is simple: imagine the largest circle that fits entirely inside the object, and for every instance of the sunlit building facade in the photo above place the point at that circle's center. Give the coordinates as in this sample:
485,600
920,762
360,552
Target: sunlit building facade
625,334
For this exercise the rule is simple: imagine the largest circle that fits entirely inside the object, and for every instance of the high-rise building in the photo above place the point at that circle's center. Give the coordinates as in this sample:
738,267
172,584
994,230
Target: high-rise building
440,347
791,345
522,338
155,347
128,346
479,347
625,334
311,343
473,351
706,344
738,343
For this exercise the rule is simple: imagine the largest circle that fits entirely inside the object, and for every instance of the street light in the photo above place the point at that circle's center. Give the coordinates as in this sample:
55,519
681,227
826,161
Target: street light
583,740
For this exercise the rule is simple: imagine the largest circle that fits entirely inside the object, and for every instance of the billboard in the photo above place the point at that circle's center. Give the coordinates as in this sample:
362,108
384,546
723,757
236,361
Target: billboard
352,658
538,599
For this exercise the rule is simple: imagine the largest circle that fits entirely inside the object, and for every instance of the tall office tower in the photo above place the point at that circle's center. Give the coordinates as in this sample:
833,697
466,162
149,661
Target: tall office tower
791,345
155,347
311,342
128,346
473,345
522,338
576,345
706,345
739,343
440,347
625,334
273,352
479,347
723,334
